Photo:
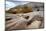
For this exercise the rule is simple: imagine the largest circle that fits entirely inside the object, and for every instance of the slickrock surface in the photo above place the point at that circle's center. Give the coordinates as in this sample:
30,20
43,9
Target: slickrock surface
24,21
26,16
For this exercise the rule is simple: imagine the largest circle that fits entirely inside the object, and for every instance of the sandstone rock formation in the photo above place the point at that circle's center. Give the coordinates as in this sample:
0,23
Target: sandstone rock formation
19,9
27,16
25,21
